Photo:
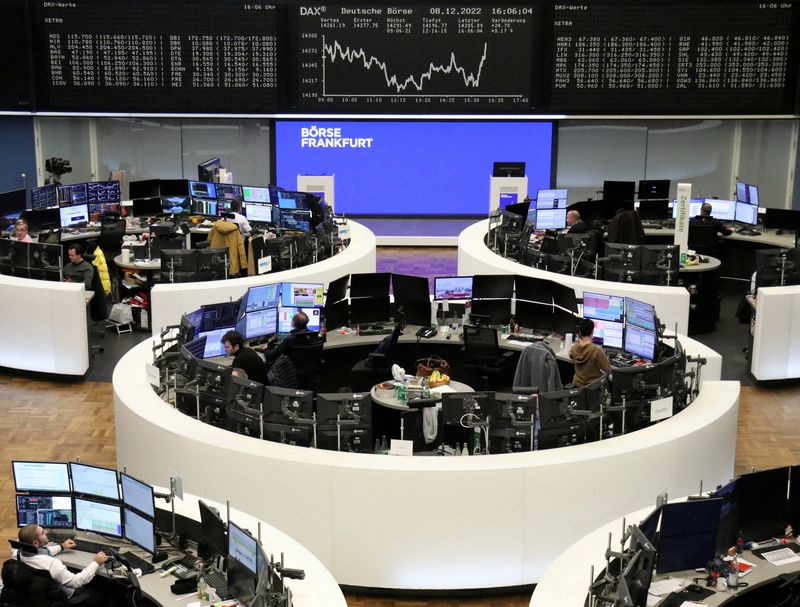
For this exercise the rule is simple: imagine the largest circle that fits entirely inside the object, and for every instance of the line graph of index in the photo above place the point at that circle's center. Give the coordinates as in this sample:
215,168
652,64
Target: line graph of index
417,57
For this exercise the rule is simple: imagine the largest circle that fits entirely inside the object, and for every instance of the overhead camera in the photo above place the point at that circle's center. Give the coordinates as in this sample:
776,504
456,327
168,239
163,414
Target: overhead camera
56,167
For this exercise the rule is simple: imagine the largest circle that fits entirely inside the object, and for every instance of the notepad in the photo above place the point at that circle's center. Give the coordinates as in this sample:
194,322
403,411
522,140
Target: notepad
781,556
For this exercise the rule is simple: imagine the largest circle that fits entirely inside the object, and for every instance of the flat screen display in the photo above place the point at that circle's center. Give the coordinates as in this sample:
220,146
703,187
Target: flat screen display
608,333
653,189
137,495
204,207
228,191
640,342
259,212
51,511
75,216
640,313
302,294
746,213
101,192
242,547
260,323
213,345
177,205
551,219
286,313
694,207
254,194
603,307
44,197
140,531
746,192
93,480
724,210
265,296
551,199
98,517
41,476
202,189
370,180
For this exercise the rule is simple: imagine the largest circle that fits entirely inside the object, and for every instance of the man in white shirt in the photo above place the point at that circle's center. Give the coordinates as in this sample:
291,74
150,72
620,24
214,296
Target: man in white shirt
73,584
239,219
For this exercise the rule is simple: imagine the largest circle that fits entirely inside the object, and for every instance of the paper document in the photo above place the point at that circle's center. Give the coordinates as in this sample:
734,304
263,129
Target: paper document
781,556
442,389
665,586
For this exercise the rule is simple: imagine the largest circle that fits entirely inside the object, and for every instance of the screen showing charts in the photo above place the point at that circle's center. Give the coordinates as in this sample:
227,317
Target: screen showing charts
452,287
72,194
265,296
694,207
603,307
301,295
551,219
242,547
140,531
551,199
75,216
99,192
98,517
724,210
204,207
746,213
229,190
640,342
54,511
746,193
41,476
91,480
286,313
252,194
640,313
213,345
44,197
202,189
137,495
260,323
608,333
259,212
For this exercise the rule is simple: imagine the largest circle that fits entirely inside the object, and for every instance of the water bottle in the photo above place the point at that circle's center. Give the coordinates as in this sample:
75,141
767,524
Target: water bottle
384,445
377,446
458,450
465,450
476,446
202,586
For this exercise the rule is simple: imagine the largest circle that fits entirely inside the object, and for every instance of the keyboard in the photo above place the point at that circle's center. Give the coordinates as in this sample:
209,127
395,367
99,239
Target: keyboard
377,331
138,562
219,582
87,546
619,359
525,337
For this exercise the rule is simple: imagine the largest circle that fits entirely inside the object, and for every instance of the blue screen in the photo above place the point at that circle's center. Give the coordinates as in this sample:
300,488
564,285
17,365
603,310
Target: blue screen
412,167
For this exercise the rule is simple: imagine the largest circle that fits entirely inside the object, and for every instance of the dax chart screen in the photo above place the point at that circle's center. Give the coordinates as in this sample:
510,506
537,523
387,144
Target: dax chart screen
417,58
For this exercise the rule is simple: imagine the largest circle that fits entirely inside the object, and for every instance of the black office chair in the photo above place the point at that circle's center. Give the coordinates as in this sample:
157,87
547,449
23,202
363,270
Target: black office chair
377,367
704,239
626,228
24,585
112,232
306,356
483,355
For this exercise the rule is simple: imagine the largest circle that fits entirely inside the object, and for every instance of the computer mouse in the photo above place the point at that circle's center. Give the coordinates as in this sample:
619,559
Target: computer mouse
694,588
448,336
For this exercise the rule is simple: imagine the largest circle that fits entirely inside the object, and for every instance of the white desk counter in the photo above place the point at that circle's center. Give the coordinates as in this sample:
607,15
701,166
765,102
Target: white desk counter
169,301
776,334
474,257
43,326
426,522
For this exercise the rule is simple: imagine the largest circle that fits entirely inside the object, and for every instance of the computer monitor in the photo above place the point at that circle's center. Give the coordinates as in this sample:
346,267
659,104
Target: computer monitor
533,315
369,309
497,310
259,213
654,189
695,205
176,205
286,313
354,413
75,216
261,297
41,476
551,199
223,207
101,192
337,289
556,428
105,209
214,379
758,506
202,189
654,209
242,563
295,220
640,313
285,405
146,207
300,294
13,201
209,169
75,193
688,536
220,316
517,208
452,287
204,207
564,297
44,197
563,322
94,481
257,194
747,193
98,517
229,191
746,213
177,265
608,333
649,525
493,286
139,530
412,311
550,219
508,169
292,200
782,219
529,288
214,535
50,511
370,285
138,495
661,257
413,288
619,191
598,306
640,342
626,255
213,345
724,210
259,323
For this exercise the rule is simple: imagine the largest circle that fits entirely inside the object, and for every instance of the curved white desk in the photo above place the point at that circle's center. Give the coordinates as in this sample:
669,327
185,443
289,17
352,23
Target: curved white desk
169,301
776,334
43,326
474,257
427,522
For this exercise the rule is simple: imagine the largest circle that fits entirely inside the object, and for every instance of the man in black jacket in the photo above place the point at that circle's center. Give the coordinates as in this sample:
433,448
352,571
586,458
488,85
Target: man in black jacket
299,335
243,357
705,218
575,223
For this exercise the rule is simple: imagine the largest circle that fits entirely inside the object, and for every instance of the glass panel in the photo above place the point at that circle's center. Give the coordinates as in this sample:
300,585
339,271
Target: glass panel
67,138
765,152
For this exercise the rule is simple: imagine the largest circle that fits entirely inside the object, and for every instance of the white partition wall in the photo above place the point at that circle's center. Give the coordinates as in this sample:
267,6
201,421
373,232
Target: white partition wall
506,186
474,257
318,184
43,326
169,301
427,522
776,334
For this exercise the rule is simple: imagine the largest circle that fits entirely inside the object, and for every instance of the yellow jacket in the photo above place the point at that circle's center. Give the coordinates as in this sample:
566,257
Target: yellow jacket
99,262
226,234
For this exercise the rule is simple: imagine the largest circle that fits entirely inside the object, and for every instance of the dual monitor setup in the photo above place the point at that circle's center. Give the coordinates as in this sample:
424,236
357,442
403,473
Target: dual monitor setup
690,535
72,206
70,495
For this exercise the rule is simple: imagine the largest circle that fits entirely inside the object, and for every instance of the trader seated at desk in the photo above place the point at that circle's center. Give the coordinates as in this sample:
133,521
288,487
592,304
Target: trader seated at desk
78,269
74,585
591,361
244,358
21,231
575,223
705,219
239,219
299,335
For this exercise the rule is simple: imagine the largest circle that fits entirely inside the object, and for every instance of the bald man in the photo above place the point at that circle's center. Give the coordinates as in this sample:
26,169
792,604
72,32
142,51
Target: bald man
575,223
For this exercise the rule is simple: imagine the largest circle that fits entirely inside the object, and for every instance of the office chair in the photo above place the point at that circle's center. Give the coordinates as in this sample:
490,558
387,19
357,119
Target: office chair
482,353
24,585
112,232
704,239
377,367
626,228
306,356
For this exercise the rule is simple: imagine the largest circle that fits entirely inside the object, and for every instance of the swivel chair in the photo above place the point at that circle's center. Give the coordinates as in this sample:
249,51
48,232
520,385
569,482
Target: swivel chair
704,239
482,353
306,356
112,232
377,367
626,228
24,585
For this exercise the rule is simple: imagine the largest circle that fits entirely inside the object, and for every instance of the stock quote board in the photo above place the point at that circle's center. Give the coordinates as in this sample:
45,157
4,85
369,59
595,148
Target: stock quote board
184,56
